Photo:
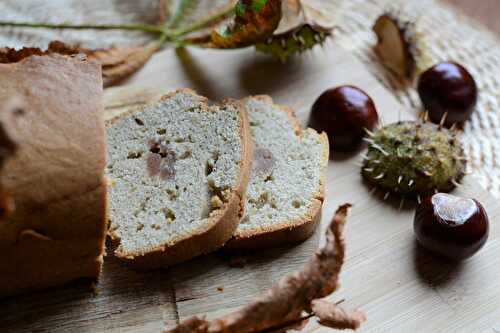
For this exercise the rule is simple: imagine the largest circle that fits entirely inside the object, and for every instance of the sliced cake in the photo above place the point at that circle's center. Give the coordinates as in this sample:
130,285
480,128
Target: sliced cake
286,189
177,171
54,228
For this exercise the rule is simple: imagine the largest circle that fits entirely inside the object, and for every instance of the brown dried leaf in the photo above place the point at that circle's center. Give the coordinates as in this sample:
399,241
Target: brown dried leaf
117,62
333,316
285,301
254,22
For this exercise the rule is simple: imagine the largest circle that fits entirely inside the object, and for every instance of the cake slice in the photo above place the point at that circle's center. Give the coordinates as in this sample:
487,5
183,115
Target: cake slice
286,189
177,170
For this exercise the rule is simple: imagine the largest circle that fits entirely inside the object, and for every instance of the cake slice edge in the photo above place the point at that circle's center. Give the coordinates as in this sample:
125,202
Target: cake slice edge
224,221
299,229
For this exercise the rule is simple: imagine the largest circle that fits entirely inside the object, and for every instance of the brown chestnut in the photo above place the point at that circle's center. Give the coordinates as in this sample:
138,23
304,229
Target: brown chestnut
451,226
344,113
448,88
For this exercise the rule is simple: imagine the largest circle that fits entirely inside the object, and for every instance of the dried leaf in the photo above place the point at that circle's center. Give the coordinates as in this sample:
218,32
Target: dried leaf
333,316
305,24
255,21
285,302
117,62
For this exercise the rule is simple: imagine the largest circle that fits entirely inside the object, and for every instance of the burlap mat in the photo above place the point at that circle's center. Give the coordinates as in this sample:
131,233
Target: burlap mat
449,35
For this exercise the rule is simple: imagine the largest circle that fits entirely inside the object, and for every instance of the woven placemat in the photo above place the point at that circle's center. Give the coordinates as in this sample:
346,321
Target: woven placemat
449,36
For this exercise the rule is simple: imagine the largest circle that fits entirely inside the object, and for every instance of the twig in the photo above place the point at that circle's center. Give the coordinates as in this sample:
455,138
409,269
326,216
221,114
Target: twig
131,27
184,7
206,21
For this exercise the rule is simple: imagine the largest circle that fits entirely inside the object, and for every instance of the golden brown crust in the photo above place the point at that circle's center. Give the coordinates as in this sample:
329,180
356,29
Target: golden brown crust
49,251
57,231
224,222
297,230
10,112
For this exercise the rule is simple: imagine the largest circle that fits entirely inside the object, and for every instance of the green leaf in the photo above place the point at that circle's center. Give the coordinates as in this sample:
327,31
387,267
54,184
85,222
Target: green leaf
240,9
258,5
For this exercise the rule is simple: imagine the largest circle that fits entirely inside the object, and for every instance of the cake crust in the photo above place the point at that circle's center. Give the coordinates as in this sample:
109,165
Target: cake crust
56,231
295,230
222,224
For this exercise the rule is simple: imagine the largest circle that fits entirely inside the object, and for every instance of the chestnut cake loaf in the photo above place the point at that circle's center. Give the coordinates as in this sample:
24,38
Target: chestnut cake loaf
177,171
286,189
56,225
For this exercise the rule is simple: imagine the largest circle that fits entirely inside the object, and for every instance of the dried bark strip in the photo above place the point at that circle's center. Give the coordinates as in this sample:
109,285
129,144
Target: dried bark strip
285,301
333,316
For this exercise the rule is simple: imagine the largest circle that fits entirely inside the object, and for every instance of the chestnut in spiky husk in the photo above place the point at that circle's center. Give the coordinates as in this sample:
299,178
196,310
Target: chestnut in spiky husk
414,158
400,46
298,40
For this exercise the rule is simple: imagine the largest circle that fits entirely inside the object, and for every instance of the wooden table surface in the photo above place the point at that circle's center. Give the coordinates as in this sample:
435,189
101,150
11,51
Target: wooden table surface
399,286
484,11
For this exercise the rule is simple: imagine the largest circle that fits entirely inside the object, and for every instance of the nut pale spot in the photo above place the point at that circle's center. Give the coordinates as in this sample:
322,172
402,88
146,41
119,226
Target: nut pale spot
161,161
453,210
263,160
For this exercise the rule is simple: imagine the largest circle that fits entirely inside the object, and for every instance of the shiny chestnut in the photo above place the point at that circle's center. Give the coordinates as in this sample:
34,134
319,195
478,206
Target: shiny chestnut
344,113
448,88
451,226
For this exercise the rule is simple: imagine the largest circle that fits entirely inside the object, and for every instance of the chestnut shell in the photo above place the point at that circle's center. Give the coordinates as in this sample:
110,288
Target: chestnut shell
344,113
448,87
452,240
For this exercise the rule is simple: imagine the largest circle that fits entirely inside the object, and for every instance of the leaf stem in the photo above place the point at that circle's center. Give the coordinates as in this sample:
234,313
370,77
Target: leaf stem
131,27
206,21
182,9
166,33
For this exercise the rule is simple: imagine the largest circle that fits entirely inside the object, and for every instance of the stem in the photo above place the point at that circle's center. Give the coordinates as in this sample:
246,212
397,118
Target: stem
183,7
132,27
166,33
206,21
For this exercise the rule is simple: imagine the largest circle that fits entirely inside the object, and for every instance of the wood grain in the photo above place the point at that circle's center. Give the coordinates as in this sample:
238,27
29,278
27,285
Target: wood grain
400,286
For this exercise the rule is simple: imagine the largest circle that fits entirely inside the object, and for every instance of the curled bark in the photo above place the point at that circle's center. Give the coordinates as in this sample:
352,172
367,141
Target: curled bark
285,302
333,316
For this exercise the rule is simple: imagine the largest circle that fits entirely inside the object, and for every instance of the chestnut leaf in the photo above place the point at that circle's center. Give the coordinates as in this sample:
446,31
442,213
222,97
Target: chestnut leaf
253,21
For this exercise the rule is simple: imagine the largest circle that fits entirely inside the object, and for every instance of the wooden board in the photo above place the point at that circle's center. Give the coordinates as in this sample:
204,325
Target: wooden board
399,286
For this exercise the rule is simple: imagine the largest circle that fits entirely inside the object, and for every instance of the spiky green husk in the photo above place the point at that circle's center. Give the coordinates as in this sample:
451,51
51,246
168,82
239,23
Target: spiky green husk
299,40
414,158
